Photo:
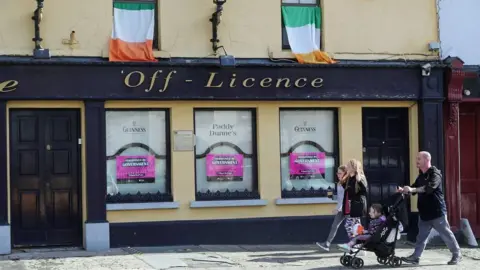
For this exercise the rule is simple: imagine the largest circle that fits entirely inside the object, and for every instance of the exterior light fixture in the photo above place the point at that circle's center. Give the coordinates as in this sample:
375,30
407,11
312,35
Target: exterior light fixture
215,19
224,60
39,52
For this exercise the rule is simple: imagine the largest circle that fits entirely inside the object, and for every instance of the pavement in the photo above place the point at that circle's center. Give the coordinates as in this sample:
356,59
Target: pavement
216,257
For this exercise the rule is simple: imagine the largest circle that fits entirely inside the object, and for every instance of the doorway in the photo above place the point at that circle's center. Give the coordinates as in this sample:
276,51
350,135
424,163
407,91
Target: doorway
469,164
45,181
385,151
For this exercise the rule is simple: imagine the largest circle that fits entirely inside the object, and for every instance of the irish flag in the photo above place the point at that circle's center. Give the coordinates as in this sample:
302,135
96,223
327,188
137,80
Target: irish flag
132,35
303,26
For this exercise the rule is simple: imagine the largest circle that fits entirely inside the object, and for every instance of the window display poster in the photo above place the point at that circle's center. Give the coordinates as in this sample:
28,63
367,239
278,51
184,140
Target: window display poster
309,165
225,135
135,169
136,133
303,134
224,167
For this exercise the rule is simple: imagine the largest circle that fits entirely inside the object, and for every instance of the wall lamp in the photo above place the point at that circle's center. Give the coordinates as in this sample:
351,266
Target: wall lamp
39,52
215,20
225,60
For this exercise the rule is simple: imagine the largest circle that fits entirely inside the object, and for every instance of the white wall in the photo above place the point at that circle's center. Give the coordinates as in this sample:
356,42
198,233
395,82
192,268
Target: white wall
460,29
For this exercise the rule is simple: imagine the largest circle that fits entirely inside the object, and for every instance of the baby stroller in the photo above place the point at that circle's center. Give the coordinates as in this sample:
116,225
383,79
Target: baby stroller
383,242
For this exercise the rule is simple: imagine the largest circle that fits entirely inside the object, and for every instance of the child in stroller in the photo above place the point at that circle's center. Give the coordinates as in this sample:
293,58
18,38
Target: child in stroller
377,219
382,237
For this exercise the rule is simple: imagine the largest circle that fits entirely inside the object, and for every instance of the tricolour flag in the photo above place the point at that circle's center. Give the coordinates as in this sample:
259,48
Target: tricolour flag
303,26
132,35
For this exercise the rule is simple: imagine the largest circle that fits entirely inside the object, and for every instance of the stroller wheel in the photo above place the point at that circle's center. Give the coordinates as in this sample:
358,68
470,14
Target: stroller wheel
357,263
346,260
396,262
383,261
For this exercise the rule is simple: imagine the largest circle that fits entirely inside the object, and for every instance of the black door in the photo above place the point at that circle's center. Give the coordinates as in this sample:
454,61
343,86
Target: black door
385,150
45,177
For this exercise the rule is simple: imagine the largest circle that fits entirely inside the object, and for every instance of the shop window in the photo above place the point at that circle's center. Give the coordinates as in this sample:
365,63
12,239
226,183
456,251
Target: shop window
138,159
300,3
225,154
156,44
309,152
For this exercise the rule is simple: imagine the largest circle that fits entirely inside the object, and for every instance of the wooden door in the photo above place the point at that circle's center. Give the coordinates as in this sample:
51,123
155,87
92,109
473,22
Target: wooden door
385,150
45,177
470,164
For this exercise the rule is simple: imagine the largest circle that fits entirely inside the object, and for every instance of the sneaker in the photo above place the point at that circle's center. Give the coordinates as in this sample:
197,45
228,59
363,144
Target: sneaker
323,246
455,260
411,260
344,247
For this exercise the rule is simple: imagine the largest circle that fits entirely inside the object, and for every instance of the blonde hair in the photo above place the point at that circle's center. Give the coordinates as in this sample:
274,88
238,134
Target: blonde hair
357,167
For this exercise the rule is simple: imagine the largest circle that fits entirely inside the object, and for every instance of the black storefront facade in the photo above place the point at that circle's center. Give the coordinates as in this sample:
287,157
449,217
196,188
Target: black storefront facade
55,180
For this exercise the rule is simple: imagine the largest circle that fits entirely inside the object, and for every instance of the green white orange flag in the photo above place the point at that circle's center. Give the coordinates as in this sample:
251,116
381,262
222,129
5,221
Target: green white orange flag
132,35
303,26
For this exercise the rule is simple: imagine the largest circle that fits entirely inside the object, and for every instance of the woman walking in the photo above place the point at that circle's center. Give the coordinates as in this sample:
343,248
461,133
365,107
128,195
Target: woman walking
339,217
355,198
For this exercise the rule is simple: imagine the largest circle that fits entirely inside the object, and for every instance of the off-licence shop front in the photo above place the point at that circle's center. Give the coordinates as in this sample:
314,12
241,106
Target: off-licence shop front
105,154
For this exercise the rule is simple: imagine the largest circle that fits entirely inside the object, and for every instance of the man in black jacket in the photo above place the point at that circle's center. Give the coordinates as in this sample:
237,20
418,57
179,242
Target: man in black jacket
432,210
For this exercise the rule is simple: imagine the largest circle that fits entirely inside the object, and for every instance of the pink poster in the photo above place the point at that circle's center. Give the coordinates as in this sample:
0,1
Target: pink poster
135,169
307,165
224,167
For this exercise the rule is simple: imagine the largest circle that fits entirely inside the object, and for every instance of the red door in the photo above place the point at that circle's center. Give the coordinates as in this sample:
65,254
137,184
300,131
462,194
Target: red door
470,164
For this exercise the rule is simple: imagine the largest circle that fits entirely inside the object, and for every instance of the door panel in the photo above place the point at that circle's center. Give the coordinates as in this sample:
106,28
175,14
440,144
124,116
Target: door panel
45,177
385,150
470,164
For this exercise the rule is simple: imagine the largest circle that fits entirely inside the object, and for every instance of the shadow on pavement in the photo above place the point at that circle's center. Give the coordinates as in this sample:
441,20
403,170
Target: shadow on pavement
296,254
378,266
57,253
283,260
290,257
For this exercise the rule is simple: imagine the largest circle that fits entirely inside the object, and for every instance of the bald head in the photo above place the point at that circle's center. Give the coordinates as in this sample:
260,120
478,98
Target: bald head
426,155
424,161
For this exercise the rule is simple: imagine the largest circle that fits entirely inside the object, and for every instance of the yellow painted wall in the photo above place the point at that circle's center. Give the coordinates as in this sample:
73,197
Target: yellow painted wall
352,29
268,143
268,147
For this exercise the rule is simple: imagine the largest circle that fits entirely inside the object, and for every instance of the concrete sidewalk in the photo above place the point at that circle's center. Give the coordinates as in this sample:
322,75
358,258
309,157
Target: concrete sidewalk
213,257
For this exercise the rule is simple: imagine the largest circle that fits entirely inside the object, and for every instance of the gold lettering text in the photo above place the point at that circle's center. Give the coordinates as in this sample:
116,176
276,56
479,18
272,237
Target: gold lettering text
286,80
140,80
233,80
246,81
266,82
8,86
297,82
317,83
211,79
167,81
154,78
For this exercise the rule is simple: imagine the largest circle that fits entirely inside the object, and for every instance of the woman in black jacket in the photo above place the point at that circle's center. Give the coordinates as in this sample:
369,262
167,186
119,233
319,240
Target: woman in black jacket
355,196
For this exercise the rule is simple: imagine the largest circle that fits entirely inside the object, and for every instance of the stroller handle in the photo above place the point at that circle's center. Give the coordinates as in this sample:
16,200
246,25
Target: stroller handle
400,200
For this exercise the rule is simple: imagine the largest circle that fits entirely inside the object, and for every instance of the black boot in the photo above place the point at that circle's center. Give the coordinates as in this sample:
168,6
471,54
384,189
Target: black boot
411,260
455,259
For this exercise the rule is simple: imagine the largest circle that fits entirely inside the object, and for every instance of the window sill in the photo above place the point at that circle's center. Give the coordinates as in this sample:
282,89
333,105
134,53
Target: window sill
142,206
227,203
161,54
297,201
283,54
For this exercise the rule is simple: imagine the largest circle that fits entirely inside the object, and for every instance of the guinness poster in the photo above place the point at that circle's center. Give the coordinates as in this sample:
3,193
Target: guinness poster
307,148
136,151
